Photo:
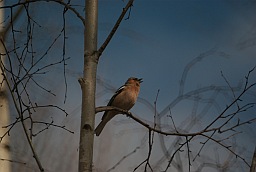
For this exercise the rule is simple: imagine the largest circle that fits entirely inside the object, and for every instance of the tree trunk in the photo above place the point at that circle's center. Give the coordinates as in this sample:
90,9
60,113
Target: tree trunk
88,85
253,165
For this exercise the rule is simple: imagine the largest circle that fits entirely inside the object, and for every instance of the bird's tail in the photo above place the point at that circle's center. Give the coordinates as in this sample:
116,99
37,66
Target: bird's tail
100,127
106,117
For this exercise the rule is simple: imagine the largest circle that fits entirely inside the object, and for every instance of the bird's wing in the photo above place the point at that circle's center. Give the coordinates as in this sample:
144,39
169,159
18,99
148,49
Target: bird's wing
114,96
112,99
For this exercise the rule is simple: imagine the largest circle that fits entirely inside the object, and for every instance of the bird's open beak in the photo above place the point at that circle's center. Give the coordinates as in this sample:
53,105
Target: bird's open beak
140,80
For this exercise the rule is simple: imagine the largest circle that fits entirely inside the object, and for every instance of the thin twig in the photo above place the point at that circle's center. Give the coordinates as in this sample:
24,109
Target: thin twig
22,122
56,1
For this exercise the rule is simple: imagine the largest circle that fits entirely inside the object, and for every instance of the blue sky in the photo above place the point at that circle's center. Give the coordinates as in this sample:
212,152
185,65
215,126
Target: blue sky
156,43
161,37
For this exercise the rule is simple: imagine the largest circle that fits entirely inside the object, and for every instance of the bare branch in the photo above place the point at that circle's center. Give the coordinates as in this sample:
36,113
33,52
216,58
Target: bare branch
114,29
122,159
228,148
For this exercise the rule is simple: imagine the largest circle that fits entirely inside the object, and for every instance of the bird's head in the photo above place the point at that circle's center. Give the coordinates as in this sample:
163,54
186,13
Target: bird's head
133,80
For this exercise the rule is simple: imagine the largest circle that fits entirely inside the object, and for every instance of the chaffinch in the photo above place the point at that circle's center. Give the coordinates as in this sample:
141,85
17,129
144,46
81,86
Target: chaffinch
124,98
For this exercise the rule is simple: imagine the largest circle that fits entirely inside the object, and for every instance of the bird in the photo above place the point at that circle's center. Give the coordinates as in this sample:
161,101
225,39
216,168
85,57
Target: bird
124,98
